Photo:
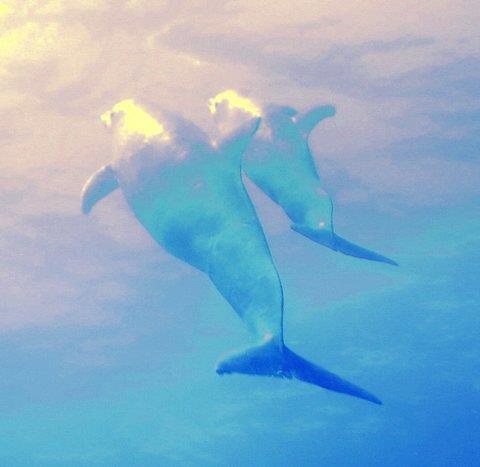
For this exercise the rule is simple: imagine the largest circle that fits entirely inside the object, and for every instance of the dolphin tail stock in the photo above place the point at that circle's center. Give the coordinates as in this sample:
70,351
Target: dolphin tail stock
275,359
351,249
97,187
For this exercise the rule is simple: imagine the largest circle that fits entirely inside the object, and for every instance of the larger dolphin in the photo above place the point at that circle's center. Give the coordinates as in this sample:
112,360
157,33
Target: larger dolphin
188,194
280,163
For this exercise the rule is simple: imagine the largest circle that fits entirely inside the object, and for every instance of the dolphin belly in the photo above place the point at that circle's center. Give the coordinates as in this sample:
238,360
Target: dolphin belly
242,270
187,232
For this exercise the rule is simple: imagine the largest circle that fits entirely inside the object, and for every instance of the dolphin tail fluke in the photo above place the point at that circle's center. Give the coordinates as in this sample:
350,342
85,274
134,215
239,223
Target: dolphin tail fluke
274,359
97,187
308,372
350,249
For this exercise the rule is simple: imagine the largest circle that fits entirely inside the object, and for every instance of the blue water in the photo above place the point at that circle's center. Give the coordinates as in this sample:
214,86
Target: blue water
410,334
108,346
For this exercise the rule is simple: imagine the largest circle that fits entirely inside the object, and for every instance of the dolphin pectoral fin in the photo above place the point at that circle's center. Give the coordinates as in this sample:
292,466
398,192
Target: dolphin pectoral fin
307,121
97,187
350,249
274,359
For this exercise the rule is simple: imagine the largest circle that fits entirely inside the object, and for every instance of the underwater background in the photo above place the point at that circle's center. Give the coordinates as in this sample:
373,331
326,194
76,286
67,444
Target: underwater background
108,345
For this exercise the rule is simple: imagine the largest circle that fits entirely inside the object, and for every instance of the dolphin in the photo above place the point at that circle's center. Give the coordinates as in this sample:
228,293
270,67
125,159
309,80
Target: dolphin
188,193
280,163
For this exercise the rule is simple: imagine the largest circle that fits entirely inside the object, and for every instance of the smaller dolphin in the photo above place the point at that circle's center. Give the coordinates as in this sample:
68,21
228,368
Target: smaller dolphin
188,194
280,163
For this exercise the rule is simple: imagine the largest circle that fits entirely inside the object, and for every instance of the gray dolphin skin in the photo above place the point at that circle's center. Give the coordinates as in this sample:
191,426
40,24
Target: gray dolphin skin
280,163
188,194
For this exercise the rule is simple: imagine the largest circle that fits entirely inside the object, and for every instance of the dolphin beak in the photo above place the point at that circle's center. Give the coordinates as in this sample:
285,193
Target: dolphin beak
350,249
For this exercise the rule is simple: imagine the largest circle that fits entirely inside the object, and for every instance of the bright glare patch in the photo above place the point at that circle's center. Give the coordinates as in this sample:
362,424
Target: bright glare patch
135,121
30,41
267,336
235,101
5,9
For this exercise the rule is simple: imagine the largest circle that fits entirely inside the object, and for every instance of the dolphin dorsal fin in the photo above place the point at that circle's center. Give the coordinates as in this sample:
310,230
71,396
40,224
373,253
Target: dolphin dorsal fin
307,121
97,187
234,144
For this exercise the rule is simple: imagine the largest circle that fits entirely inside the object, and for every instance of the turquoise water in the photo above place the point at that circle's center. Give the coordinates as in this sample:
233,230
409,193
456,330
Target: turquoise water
143,391
108,346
